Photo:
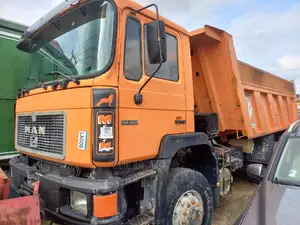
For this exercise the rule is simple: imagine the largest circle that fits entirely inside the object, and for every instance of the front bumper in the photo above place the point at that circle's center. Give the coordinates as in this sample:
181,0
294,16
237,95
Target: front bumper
55,193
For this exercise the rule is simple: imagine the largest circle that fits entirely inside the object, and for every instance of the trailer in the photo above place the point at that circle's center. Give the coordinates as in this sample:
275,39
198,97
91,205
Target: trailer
131,119
13,66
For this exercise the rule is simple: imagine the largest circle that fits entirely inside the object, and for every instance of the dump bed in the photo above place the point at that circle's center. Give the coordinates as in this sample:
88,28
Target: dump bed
249,101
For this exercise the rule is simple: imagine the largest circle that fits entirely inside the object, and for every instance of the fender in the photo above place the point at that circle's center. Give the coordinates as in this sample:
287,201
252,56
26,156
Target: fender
171,143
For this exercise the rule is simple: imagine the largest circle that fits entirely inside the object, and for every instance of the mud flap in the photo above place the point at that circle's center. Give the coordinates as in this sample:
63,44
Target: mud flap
23,210
263,149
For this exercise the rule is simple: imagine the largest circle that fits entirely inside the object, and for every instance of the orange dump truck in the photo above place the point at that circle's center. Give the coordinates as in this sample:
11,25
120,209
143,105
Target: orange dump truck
127,118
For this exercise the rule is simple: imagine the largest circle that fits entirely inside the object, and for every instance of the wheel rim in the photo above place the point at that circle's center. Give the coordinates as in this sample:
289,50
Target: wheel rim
189,209
225,181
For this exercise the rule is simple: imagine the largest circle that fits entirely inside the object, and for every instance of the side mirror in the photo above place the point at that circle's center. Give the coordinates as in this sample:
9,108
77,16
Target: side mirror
24,45
153,44
255,170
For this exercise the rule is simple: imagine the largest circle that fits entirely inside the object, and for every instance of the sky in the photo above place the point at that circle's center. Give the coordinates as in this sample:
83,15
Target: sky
266,33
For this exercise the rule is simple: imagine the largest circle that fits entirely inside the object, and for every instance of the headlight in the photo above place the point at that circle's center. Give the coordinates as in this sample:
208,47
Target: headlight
78,202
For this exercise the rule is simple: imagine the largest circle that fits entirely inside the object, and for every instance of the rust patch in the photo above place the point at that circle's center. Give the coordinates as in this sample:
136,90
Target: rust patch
19,216
20,211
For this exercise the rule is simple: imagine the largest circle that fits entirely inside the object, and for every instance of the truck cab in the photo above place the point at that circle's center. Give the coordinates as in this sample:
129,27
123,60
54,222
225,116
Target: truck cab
105,52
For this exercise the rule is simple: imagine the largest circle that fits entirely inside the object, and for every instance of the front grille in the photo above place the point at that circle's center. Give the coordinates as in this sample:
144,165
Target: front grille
42,133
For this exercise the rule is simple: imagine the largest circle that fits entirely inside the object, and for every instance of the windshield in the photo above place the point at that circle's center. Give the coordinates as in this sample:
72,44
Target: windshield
82,44
288,168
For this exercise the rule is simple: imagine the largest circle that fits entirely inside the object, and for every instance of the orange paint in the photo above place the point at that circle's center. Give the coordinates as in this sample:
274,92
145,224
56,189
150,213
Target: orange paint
105,206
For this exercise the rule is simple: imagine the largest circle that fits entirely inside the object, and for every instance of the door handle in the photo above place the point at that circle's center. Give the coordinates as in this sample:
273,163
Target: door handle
179,120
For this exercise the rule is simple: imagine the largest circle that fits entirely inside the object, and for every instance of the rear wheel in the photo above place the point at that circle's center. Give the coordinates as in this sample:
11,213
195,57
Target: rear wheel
189,198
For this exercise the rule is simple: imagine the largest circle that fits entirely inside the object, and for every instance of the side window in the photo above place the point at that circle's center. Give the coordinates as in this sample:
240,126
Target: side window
169,69
133,46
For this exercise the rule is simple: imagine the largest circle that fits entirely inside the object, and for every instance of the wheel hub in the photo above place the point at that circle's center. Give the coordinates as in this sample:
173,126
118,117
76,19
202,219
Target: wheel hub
189,209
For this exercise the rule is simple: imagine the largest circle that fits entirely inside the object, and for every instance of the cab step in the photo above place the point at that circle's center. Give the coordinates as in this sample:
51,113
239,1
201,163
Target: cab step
141,219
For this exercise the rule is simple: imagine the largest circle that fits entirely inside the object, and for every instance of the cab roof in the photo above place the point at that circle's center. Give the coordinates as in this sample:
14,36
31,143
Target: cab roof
122,4
11,25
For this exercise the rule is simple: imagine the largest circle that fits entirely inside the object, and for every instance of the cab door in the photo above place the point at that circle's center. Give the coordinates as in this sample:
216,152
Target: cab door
163,110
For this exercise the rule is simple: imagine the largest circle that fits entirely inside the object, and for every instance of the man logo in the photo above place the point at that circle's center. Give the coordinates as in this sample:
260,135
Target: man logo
105,146
109,100
41,130
102,119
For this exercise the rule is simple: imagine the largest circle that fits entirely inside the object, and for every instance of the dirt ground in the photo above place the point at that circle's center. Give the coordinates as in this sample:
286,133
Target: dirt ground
233,204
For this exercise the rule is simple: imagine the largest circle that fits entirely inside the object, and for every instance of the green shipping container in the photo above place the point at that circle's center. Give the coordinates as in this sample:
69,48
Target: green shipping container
13,66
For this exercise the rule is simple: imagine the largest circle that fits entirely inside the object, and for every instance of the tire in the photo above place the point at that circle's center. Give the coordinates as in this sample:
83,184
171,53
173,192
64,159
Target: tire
188,183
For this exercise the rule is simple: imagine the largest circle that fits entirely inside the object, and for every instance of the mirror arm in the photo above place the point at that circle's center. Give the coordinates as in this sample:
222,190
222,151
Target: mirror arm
157,69
138,98
134,12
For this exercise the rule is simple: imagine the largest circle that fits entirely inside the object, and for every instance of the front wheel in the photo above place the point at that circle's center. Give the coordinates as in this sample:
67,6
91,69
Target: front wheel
189,198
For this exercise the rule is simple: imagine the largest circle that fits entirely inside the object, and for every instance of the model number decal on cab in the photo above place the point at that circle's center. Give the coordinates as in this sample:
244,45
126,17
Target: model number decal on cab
82,139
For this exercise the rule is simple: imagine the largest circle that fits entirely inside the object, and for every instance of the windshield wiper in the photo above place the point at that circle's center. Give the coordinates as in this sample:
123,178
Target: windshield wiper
57,73
41,83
